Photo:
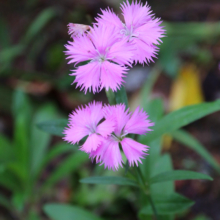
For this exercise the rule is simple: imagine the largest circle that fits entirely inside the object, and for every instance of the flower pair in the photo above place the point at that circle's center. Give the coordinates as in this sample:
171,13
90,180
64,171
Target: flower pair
106,129
112,45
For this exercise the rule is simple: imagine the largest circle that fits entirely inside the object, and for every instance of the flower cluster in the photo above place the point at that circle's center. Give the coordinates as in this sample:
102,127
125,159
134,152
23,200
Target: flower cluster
112,45
106,128
102,56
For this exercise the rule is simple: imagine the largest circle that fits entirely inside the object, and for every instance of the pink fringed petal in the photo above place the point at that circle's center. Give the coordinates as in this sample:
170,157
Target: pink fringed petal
73,134
106,127
120,114
112,158
133,150
108,17
91,143
112,75
135,14
88,77
138,123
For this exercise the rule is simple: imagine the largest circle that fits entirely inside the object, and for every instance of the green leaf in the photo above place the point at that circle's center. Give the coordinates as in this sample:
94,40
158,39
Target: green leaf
178,175
57,150
154,109
106,180
69,165
5,202
22,114
180,118
121,96
67,212
189,141
10,181
54,127
163,164
149,162
39,139
9,53
170,204
6,150
37,25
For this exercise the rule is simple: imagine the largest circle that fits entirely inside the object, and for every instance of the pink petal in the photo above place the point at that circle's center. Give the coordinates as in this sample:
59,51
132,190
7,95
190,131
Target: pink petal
106,127
135,14
96,113
151,32
133,150
103,37
76,30
111,75
120,115
73,134
91,143
87,76
122,52
83,121
108,17
112,158
138,123
144,52
82,49
109,154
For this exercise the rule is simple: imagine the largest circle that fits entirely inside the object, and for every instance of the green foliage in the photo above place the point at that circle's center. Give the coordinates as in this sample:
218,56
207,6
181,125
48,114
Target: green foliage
178,175
23,159
67,212
55,127
171,204
72,163
180,118
188,140
106,180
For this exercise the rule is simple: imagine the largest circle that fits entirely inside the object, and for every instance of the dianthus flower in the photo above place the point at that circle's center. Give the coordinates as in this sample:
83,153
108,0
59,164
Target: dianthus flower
77,30
107,56
139,27
108,152
88,121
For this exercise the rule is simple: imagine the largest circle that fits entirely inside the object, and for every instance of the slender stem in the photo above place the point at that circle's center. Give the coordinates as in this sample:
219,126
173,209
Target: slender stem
121,97
153,206
111,97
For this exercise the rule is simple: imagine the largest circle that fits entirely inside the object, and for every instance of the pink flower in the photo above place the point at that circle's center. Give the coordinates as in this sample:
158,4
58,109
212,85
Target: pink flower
77,30
88,121
107,56
139,27
108,152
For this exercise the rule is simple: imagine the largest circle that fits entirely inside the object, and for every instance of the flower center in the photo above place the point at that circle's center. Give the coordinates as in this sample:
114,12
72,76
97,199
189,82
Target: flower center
92,128
101,58
128,32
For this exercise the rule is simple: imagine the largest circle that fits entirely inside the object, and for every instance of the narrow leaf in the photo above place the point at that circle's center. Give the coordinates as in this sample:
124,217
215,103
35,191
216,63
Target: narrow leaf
189,141
73,162
178,175
36,26
108,180
54,127
180,118
67,212
39,145
170,204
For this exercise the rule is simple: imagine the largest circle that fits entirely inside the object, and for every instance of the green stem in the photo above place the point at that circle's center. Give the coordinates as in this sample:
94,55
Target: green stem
121,97
153,206
111,97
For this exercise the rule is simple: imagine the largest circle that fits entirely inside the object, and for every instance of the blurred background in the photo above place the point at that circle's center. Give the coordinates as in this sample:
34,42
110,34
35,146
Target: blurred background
35,86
